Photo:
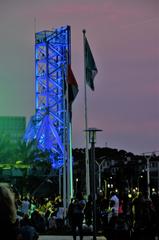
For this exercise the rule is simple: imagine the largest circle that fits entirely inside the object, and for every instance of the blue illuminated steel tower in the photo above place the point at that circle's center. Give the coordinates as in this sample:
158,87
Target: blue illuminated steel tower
50,125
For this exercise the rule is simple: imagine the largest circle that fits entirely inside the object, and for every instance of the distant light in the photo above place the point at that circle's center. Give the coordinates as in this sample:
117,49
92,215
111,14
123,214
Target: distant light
129,195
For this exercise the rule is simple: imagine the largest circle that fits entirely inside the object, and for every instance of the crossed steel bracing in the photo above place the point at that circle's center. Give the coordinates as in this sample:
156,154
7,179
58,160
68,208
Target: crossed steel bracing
49,125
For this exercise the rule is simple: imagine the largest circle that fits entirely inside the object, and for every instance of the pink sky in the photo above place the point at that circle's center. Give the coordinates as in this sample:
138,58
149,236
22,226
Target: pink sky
124,38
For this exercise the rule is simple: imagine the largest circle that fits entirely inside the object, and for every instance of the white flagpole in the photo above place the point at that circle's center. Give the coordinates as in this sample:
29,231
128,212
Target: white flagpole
71,162
86,125
64,159
69,142
67,133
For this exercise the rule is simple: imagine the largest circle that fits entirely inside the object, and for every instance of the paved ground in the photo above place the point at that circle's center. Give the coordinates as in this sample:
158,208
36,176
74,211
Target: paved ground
55,237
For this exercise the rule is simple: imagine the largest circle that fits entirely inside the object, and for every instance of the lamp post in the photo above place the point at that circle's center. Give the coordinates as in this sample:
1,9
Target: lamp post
99,173
92,141
148,171
148,175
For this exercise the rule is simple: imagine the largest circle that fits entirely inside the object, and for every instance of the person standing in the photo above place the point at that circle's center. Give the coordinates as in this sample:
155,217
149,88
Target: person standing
76,215
88,211
25,206
115,198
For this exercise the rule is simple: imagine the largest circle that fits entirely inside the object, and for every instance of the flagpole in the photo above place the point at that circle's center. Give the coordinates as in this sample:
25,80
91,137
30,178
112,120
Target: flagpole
73,91
69,139
64,154
71,163
67,132
86,125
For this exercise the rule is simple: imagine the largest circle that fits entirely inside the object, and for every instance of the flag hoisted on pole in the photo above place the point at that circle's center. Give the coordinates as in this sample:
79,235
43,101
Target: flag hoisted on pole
71,93
90,71
90,66
72,85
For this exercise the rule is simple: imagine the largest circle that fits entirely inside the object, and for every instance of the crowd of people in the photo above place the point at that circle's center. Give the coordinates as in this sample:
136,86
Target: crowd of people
118,217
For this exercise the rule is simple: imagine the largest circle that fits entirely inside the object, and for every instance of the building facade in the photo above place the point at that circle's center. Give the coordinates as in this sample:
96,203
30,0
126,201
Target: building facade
12,127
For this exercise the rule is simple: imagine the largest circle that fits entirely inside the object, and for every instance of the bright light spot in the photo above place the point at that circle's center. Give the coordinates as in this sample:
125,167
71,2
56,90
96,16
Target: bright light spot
129,195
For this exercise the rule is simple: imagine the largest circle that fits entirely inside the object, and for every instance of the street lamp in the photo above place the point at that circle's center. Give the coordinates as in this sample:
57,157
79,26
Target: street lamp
148,175
99,173
148,172
92,141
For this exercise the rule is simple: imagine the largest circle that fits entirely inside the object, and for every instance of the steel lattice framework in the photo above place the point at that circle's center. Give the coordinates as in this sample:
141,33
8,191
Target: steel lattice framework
48,126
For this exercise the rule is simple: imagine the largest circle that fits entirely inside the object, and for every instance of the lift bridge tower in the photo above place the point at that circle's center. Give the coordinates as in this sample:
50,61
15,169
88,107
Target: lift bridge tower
50,124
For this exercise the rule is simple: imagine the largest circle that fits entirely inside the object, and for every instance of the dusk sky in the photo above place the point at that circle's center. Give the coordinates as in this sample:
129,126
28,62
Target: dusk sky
124,39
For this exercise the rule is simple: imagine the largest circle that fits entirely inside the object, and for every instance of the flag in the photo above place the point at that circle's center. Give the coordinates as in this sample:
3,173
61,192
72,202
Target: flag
90,66
72,85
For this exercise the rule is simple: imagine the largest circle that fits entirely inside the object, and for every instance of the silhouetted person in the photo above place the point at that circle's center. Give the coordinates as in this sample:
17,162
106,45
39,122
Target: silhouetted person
76,215
7,214
88,211
144,218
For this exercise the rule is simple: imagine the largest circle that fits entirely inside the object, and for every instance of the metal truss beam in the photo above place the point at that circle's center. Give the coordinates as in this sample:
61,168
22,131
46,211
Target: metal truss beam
48,126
